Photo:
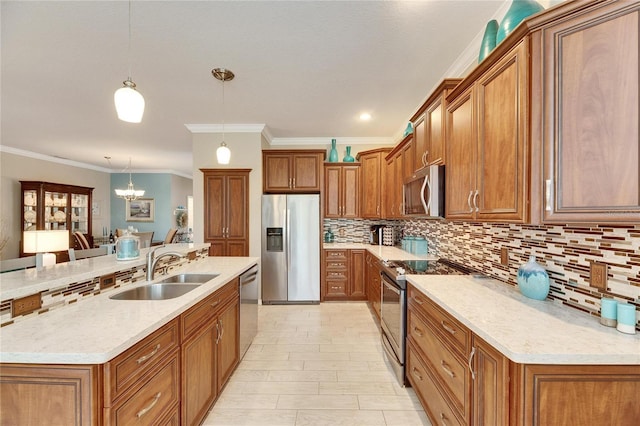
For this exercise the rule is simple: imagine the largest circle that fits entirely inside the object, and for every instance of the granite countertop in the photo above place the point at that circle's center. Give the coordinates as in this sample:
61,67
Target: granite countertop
525,330
30,281
95,330
381,252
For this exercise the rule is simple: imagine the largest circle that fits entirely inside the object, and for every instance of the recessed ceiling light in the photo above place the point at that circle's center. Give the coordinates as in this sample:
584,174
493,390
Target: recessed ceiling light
365,116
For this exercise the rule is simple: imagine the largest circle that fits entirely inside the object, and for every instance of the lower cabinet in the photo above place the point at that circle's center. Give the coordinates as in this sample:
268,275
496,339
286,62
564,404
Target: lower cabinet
210,350
343,275
171,377
461,379
372,283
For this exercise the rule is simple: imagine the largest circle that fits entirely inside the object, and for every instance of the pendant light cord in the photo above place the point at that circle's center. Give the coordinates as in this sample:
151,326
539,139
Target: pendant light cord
129,52
223,80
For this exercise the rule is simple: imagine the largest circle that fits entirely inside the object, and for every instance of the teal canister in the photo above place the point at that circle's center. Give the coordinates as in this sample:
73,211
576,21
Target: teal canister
409,243
421,246
127,247
518,12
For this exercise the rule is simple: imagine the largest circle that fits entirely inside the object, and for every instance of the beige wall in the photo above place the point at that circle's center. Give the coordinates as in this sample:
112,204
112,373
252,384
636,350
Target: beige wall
14,168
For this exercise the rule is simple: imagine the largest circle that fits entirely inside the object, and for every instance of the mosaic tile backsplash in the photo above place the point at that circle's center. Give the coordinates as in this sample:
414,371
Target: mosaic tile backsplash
564,251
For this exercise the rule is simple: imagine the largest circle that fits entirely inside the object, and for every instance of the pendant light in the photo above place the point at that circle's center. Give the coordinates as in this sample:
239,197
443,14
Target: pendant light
130,193
129,102
223,153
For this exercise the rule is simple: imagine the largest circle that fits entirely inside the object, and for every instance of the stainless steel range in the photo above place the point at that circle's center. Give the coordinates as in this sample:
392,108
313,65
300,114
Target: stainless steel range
393,311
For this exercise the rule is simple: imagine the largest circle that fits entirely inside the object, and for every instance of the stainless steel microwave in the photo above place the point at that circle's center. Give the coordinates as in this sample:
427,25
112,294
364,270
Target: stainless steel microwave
423,193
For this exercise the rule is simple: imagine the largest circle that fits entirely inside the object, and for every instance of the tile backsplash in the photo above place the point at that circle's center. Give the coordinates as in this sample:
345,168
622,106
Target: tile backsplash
565,251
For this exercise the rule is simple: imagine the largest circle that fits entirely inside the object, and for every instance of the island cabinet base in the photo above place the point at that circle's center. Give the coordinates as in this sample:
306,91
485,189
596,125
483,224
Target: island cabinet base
575,394
33,394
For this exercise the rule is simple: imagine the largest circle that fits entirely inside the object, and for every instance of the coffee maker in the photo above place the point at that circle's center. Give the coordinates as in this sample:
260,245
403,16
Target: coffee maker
375,234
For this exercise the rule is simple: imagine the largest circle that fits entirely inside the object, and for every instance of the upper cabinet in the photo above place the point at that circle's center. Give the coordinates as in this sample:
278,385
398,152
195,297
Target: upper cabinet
586,69
487,150
341,186
429,129
55,206
372,188
292,171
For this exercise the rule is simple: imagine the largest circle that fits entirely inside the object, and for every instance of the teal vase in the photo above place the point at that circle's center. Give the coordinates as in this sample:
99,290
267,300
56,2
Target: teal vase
488,40
333,154
348,158
518,12
533,280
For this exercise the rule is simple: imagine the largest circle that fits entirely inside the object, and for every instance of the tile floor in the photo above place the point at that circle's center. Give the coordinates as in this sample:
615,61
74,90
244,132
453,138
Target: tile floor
315,365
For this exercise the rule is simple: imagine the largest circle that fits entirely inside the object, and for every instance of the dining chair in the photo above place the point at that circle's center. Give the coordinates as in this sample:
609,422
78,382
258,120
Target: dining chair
171,235
8,265
86,253
81,240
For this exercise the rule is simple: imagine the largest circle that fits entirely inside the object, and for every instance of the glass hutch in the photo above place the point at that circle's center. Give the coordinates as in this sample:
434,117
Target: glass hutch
55,206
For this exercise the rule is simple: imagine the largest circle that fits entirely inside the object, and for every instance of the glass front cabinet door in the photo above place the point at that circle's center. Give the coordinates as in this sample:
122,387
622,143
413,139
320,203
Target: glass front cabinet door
55,206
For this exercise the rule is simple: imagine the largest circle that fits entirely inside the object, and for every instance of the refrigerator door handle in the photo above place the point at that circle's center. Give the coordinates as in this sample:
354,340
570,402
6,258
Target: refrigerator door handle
288,236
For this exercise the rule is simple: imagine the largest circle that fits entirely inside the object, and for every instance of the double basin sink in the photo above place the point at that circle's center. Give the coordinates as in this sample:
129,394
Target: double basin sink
168,288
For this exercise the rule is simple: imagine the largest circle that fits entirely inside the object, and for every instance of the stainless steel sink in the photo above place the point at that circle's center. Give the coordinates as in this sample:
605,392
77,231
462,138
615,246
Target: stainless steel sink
189,278
155,292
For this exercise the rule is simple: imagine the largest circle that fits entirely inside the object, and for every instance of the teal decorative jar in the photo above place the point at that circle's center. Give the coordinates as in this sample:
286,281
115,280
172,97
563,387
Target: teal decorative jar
488,40
348,158
408,130
533,280
333,154
518,12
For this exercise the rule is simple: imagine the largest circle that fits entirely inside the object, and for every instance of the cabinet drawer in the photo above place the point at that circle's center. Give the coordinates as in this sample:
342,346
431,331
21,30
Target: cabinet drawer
445,325
336,288
452,372
332,255
337,275
199,314
127,368
151,402
435,404
336,265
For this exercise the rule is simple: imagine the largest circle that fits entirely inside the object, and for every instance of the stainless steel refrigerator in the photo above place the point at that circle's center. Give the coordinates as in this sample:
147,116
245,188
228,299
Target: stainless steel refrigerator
290,249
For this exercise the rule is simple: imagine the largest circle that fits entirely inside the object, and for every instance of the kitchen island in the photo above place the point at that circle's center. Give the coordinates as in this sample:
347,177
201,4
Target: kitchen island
100,360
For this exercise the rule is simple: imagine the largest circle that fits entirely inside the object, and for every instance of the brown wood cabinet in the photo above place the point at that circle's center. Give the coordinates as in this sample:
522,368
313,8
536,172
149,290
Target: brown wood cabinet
585,67
488,151
373,183
50,394
210,350
292,171
429,126
341,185
226,211
55,206
372,278
461,379
343,272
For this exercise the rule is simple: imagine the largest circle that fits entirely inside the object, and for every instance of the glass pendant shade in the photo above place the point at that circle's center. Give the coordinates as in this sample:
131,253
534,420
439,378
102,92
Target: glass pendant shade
223,154
130,193
129,103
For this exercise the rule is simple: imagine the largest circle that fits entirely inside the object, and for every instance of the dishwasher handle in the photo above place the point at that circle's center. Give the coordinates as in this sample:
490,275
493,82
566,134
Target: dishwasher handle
249,276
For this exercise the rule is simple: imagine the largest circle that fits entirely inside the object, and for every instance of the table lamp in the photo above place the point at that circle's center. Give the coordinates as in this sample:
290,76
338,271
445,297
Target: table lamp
43,242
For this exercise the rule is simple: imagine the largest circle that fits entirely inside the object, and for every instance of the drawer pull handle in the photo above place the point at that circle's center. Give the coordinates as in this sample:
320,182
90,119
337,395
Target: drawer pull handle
218,336
150,406
335,287
417,331
444,419
473,352
213,305
447,327
416,373
447,370
417,300
222,329
146,357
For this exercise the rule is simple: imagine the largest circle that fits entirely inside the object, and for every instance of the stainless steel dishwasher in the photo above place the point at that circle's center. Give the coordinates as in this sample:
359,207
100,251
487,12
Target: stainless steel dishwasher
248,308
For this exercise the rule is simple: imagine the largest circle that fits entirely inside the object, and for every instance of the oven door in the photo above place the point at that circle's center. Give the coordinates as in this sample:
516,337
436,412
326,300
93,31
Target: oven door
393,316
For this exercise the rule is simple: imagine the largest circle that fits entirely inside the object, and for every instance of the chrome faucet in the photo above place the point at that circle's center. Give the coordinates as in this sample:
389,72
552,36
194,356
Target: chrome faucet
152,260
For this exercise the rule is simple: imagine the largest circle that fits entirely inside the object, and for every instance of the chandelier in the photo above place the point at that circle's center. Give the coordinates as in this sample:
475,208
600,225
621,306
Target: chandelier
130,193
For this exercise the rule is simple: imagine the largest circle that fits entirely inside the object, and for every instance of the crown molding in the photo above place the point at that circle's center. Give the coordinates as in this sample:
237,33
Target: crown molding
327,140
58,160
228,128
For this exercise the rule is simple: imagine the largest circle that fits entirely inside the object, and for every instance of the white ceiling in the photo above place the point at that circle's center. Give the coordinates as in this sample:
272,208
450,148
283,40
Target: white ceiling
305,69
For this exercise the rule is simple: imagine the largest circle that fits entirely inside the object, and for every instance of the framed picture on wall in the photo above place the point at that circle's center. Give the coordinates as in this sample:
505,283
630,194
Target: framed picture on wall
140,210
